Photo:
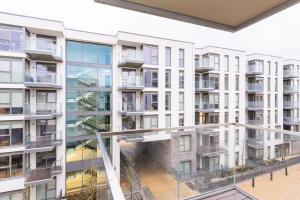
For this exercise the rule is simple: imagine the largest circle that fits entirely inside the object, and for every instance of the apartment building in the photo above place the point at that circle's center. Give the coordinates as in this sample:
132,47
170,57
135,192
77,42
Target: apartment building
59,87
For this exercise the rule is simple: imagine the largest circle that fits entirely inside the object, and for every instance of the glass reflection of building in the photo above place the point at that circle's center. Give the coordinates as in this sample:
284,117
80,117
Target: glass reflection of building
88,97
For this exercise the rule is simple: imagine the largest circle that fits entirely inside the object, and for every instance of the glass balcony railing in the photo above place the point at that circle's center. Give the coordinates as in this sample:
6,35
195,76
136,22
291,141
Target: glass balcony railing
131,58
43,143
291,120
40,78
290,73
43,49
204,65
290,104
206,106
128,107
255,87
255,121
190,166
131,83
290,88
42,108
255,104
255,69
205,85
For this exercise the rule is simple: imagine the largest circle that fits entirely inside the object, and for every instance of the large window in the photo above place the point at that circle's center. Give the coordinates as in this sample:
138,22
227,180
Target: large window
150,78
79,101
150,121
79,52
151,54
11,39
150,101
11,70
11,134
87,125
11,102
185,143
11,165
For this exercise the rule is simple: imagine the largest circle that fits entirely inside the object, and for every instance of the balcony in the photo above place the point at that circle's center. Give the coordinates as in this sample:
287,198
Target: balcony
42,143
254,69
43,79
206,107
211,150
43,49
290,89
42,110
290,138
255,88
256,143
290,104
291,120
208,131
255,105
204,85
203,66
42,175
130,109
130,85
255,121
131,58
290,73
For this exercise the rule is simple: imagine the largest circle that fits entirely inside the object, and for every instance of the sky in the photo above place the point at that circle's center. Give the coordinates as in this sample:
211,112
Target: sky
277,35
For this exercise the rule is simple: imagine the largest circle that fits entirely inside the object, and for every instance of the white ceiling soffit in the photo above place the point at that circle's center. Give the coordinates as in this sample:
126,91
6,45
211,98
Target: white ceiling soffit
229,15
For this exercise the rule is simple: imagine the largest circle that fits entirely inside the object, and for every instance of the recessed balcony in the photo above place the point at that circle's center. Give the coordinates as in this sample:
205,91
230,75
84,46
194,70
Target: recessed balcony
131,58
42,175
43,49
46,79
42,143
290,104
290,89
255,105
291,120
257,142
211,150
255,88
203,66
42,110
206,107
130,109
130,85
204,85
290,73
254,69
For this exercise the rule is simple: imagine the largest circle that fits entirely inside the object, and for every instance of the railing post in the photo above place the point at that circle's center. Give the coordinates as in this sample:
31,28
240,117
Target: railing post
271,176
253,182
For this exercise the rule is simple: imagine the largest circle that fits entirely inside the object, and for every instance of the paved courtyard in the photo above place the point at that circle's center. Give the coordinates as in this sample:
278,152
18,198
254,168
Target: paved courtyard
281,188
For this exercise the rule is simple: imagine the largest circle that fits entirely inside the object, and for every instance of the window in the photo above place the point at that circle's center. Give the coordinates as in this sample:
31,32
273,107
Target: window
276,68
168,78
237,82
226,104
151,54
129,77
237,137
181,101
237,100
269,101
197,61
11,102
226,82
226,116
276,100
185,166
237,64
11,165
276,85
181,79
168,56
277,135
168,101
168,121
276,116
269,84
216,61
269,67
150,121
11,39
269,117
237,158
150,78
11,70
11,134
185,143
237,116
150,101
181,119
226,137
269,136
226,57
181,57
45,73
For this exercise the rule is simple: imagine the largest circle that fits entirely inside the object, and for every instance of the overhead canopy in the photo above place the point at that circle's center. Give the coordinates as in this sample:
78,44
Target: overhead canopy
229,15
